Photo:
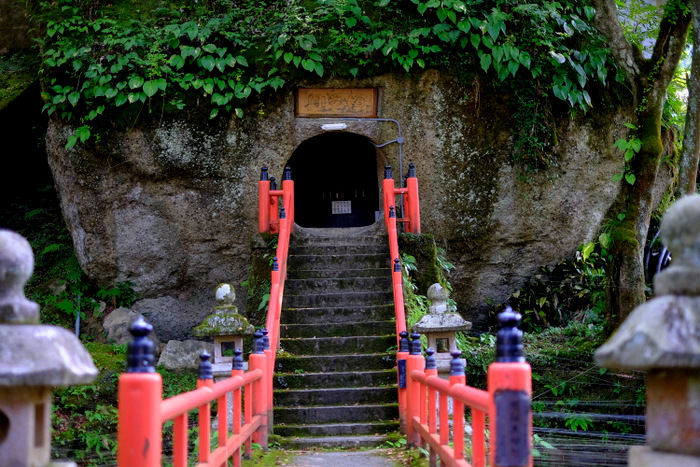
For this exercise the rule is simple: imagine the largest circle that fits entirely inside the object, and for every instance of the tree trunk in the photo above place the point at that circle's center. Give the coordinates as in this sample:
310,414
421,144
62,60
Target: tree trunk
688,163
648,82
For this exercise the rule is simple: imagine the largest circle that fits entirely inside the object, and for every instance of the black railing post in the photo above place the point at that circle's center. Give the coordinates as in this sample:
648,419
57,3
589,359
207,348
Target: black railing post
140,357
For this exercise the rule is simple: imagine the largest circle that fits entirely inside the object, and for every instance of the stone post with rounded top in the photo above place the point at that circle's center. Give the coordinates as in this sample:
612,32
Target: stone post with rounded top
224,325
441,326
662,337
33,358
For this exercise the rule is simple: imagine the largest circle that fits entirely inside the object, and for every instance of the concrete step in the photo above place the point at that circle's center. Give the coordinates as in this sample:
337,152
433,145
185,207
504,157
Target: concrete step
335,396
352,261
337,429
330,442
328,249
338,345
339,363
362,328
293,274
335,414
377,378
339,314
301,240
337,299
330,285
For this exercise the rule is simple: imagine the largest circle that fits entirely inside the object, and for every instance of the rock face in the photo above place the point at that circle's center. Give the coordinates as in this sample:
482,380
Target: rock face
116,325
171,207
184,355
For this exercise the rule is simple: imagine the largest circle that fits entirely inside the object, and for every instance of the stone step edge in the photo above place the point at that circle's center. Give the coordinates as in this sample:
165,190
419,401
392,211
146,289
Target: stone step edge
332,355
348,388
322,425
343,323
338,373
379,336
359,406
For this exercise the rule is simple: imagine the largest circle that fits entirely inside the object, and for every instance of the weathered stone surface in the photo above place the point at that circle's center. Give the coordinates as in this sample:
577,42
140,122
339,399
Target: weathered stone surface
172,318
225,319
41,355
644,456
680,230
661,333
665,331
16,266
116,325
673,411
171,207
183,355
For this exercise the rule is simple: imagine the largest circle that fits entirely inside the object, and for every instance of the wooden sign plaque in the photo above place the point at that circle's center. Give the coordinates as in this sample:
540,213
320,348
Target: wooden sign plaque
354,102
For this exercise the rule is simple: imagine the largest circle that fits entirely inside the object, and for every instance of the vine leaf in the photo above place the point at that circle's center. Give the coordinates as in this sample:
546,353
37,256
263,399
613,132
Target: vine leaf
150,88
630,178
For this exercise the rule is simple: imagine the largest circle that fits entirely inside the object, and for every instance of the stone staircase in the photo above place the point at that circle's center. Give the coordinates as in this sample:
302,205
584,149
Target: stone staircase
335,382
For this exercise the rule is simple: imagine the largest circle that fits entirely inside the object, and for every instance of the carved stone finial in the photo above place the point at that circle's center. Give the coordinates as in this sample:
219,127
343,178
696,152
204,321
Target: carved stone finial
664,332
16,266
438,298
225,295
680,229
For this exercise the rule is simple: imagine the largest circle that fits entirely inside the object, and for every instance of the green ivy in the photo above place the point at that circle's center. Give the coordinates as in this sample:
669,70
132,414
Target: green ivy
223,59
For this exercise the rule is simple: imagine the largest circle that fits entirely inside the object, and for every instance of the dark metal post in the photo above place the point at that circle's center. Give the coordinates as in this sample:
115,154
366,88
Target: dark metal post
387,171
275,264
237,363
205,369
287,173
258,345
509,346
263,174
140,357
266,340
273,183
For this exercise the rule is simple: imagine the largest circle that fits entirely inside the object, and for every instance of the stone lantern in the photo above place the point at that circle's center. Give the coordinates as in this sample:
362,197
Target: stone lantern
441,327
662,337
33,358
225,325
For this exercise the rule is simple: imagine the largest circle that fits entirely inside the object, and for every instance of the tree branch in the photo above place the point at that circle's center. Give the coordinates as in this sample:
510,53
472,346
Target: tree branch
670,43
607,22
688,162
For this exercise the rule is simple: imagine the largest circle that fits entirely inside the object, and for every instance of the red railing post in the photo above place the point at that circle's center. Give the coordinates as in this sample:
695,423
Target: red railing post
288,189
140,394
510,387
413,204
457,376
388,193
263,201
270,370
236,399
401,358
274,207
414,362
258,361
431,370
206,379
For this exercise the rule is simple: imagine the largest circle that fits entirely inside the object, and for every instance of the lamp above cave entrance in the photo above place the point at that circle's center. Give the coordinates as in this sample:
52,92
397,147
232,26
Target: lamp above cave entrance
335,181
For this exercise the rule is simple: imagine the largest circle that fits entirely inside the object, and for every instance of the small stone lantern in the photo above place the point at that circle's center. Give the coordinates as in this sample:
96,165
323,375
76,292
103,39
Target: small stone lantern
33,358
662,337
441,327
225,324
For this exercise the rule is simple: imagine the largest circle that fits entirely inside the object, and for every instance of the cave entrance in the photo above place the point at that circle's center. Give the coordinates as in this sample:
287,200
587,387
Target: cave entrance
335,181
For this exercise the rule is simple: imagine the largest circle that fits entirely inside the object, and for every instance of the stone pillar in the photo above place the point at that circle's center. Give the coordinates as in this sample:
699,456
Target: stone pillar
662,337
33,358
224,325
441,328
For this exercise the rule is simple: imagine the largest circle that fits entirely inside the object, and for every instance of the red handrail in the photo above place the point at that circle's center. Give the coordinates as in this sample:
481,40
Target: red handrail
142,412
283,224
411,224
509,389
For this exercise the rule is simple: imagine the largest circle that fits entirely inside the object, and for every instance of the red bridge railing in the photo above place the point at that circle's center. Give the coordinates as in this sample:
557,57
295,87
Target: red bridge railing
506,403
411,204
143,412
276,218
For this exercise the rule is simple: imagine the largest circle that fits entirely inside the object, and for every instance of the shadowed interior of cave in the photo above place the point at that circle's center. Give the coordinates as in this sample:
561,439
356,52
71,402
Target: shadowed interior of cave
335,181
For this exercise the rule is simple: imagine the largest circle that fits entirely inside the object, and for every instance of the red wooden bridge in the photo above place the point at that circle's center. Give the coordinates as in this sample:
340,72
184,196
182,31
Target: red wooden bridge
501,417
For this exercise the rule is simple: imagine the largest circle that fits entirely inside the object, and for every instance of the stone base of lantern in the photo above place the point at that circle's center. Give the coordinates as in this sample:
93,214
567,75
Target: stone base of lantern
644,456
